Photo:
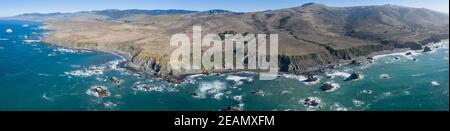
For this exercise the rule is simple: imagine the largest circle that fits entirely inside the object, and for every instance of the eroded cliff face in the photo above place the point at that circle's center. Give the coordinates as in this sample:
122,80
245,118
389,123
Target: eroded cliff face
311,37
306,64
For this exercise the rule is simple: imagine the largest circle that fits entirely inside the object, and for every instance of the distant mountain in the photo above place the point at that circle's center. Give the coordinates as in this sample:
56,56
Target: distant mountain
218,12
101,15
117,14
311,37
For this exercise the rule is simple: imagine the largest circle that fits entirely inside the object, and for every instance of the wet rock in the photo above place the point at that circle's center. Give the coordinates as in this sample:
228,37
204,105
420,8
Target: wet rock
353,76
52,54
116,80
98,91
9,31
146,88
427,49
408,53
311,102
367,91
327,87
195,94
384,76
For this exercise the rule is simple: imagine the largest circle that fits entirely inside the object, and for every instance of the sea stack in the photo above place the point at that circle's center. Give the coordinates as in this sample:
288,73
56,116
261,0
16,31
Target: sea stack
311,78
355,62
311,102
353,76
116,80
427,49
327,87
9,31
98,91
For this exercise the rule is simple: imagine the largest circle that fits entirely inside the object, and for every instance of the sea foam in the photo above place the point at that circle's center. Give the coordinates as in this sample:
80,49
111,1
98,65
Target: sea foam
214,88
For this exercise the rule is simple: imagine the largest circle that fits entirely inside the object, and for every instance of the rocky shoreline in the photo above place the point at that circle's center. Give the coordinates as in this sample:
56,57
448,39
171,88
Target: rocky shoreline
128,63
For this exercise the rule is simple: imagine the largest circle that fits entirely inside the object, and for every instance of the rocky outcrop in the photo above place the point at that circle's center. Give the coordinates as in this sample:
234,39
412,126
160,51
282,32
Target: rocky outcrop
427,49
327,87
353,76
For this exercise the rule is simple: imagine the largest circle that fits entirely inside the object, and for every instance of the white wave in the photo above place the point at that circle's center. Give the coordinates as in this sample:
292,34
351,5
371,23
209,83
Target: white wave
411,55
196,76
261,93
237,98
239,80
3,39
148,88
338,73
367,92
387,94
87,72
98,91
238,107
384,76
338,107
417,75
435,83
210,88
311,103
335,86
31,41
46,97
192,79
113,65
25,25
75,66
218,95
301,78
68,50
297,77
51,54
285,92
407,92
40,74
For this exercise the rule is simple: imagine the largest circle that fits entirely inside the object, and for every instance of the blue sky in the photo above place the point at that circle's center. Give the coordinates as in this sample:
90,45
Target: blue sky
14,7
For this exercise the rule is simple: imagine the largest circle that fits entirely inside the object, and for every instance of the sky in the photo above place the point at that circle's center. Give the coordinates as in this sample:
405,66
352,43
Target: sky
15,7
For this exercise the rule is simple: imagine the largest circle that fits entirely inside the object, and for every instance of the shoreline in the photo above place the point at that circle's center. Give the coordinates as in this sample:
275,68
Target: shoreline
177,79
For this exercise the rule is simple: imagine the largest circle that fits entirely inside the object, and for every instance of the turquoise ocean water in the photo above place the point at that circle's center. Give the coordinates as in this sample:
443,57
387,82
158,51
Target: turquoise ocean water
36,76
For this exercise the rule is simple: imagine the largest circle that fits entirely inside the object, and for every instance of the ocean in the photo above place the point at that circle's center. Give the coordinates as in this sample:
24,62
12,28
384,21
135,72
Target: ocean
39,77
